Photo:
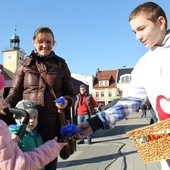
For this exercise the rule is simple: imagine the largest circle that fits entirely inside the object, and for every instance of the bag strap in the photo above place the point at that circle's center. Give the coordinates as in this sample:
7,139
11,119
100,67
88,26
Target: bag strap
44,76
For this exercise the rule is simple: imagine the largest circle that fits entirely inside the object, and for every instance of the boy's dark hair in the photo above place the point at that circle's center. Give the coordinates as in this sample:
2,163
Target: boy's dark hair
152,11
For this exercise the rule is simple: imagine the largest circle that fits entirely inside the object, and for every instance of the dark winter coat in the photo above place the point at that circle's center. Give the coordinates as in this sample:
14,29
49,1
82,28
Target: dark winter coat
29,85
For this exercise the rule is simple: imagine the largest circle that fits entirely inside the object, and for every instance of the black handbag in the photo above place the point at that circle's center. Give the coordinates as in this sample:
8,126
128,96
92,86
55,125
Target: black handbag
69,149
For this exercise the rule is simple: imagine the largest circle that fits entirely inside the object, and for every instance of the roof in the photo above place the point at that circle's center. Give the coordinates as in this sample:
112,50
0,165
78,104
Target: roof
15,37
123,71
6,77
105,75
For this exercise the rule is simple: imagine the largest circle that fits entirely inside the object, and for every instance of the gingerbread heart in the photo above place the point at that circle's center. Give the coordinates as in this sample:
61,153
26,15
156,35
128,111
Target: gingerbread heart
163,107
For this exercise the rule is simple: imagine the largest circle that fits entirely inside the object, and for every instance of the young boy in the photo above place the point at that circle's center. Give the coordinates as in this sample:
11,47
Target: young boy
31,138
149,23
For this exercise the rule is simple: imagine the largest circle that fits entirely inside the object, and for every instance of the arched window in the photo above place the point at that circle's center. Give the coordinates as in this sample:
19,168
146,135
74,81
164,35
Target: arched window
126,78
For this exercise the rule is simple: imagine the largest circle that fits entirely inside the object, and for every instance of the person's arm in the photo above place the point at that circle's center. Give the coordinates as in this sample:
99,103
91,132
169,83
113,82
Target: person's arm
108,118
94,103
131,101
13,158
16,90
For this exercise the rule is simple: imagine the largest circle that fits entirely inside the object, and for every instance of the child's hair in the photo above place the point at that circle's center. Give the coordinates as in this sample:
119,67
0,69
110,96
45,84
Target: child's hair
41,31
152,11
2,81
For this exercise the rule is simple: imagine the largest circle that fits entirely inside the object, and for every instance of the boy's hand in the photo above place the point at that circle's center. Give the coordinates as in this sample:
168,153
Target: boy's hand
85,130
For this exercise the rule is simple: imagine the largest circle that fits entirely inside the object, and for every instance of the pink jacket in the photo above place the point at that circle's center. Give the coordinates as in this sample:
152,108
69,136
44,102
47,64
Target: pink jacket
12,158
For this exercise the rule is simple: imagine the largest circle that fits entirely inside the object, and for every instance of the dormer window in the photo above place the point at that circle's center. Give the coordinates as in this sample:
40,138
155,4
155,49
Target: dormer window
103,83
125,78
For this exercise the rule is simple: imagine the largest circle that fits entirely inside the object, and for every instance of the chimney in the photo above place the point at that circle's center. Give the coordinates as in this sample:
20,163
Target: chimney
97,71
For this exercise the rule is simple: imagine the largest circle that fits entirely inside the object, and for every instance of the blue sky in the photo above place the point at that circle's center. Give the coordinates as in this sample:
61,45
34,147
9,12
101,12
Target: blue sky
90,34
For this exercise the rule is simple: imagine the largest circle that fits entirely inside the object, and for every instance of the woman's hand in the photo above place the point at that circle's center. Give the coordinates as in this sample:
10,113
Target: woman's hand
4,109
61,103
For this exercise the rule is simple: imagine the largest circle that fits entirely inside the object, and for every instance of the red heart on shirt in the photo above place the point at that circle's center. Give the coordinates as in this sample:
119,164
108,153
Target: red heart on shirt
163,107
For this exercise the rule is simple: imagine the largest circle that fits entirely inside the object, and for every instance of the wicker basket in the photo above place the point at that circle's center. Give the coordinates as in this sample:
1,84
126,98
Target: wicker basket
152,142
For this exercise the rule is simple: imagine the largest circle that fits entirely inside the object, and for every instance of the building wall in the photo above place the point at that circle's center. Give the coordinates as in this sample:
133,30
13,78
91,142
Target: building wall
11,59
106,98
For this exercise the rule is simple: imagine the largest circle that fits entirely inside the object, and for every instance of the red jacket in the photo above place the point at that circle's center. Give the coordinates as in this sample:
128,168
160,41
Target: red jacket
85,104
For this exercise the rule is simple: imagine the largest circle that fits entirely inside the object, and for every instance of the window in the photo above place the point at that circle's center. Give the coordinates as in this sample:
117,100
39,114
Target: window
102,93
125,79
106,82
110,93
97,94
100,83
103,83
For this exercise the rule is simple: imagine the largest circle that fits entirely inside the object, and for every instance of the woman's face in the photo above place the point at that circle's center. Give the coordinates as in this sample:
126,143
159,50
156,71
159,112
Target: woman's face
148,33
43,44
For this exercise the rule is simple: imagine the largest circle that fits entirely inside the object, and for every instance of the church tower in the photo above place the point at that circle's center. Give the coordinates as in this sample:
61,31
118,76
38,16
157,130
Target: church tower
12,56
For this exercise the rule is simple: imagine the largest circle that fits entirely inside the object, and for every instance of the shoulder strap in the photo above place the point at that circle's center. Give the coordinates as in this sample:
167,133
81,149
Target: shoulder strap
44,75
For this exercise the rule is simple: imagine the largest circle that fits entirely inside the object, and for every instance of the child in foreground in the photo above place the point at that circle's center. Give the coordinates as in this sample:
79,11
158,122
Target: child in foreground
11,155
31,138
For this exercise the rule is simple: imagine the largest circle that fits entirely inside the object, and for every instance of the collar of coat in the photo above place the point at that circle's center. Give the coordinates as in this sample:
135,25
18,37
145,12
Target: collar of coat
52,57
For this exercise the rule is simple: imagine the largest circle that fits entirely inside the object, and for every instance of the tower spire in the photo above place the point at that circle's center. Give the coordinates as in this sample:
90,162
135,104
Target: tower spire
14,40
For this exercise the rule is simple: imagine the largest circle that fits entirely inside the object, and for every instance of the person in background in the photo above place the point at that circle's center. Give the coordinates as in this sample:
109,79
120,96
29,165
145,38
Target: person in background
28,84
144,107
148,21
12,158
84,107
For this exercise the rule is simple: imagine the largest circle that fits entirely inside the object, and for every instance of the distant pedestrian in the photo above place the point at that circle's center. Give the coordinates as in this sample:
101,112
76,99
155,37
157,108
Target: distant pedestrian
144,110
84,107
